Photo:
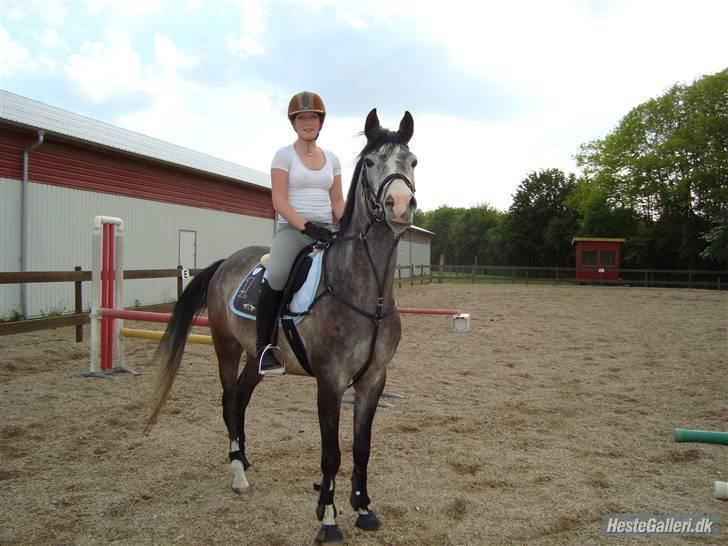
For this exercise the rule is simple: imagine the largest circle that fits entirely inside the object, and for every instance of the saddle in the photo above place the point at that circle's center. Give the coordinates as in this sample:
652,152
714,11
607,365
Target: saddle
299,296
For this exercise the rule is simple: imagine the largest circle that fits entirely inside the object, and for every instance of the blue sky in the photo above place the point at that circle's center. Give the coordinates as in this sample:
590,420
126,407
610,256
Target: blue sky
497,89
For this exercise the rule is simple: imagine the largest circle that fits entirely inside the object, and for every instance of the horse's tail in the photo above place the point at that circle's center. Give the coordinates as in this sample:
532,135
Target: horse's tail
169,353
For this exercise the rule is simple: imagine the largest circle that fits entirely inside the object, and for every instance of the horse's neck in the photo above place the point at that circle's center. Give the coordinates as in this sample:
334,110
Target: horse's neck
352,267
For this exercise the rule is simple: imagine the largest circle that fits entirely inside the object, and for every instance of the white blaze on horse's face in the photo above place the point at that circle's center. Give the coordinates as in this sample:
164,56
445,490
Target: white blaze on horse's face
392,164
398,198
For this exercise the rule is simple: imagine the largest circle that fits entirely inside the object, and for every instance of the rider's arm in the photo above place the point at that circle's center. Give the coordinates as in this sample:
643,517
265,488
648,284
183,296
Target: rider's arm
279,191
336,194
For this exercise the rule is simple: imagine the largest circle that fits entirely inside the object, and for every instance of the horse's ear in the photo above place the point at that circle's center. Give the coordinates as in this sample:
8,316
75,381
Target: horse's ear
371,126
406,127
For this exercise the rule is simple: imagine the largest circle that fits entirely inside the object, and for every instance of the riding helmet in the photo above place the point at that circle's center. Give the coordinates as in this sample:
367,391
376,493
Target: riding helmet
306,101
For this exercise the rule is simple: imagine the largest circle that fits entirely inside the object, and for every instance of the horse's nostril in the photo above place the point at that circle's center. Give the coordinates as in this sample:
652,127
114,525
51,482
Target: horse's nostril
389,201
413,203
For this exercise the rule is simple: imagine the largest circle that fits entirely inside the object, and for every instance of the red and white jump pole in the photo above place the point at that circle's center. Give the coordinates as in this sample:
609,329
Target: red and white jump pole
107,284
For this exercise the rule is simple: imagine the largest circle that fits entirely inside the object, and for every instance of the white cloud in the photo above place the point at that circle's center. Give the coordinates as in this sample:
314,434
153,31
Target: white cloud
355,22
52,40
13,12
253,18
168,56
244,46
125,8
106,67
253,27
14,58
580,66
45,12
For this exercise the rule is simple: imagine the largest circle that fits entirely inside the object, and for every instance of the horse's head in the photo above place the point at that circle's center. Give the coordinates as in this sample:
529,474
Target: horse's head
385,173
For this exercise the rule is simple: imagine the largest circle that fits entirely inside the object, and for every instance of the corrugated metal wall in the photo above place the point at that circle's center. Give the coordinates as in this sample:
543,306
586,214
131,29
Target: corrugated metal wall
59,238
9,243
414,249
12,144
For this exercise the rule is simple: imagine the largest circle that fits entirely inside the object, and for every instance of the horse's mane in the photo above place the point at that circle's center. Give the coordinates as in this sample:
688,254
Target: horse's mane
387,141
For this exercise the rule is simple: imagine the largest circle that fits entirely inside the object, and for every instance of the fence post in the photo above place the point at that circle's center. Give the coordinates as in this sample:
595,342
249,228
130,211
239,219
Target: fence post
79,305
442,267
412,274
690,278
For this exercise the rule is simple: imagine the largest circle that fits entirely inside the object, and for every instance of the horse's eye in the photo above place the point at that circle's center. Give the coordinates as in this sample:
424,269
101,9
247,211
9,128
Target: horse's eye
368,162
414,163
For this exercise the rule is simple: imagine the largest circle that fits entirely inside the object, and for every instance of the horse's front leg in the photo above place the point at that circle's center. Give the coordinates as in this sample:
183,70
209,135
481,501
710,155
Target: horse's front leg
368,391
329,409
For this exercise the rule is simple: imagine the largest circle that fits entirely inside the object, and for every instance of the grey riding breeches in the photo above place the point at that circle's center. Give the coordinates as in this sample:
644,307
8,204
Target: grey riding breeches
287,243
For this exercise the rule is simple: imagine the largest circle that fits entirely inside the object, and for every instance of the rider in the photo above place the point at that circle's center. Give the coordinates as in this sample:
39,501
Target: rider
309,201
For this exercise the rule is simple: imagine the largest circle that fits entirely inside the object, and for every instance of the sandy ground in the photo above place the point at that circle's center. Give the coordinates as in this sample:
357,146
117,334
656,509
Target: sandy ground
556,409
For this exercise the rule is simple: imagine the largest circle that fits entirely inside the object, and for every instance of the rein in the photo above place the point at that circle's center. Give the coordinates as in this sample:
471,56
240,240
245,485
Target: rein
376,215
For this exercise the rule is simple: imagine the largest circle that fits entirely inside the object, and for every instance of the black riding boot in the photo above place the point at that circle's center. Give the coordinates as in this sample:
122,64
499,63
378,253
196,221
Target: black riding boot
266,314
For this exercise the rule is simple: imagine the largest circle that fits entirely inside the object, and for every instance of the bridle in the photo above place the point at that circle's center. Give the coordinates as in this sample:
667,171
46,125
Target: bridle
374,200
376,209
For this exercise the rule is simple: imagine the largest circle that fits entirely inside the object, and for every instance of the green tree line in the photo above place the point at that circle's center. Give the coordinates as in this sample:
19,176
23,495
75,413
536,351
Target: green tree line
659,180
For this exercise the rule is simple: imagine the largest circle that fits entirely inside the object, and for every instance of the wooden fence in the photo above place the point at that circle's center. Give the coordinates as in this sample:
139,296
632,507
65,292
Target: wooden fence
412,274
77,276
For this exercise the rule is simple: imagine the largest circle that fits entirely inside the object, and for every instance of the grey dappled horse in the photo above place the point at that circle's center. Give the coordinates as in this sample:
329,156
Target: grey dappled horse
350,335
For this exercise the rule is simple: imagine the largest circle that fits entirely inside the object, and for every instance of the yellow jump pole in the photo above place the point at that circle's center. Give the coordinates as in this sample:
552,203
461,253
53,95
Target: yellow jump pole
157,335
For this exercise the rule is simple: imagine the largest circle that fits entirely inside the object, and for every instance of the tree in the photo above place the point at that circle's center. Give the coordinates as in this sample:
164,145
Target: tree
462,234
717,242
440,221
540,223
667,161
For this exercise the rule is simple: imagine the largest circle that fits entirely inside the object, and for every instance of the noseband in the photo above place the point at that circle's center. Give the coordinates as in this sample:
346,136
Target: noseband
374,200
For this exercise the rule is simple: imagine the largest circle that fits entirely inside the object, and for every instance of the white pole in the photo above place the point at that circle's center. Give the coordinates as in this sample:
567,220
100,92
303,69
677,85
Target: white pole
95,340
118,296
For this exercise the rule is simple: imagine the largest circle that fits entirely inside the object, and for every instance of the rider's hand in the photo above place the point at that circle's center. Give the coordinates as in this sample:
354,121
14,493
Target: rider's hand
317,232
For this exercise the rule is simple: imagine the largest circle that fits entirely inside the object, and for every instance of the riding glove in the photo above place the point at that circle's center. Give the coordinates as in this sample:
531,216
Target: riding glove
317,232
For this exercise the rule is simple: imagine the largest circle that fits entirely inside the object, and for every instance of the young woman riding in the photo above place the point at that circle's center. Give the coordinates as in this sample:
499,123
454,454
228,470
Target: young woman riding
309,202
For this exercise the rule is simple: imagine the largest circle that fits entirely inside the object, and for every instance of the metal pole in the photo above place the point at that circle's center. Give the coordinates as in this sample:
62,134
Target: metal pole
24,222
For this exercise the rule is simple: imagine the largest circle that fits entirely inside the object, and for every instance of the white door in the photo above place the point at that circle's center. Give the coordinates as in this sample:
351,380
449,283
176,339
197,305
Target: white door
188,249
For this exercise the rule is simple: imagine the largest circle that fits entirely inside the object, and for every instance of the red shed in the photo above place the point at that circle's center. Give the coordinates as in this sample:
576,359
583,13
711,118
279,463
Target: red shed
597,258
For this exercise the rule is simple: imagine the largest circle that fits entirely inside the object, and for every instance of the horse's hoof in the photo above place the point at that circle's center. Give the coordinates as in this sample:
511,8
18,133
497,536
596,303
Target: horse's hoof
329,534
239,490
368,522
240,482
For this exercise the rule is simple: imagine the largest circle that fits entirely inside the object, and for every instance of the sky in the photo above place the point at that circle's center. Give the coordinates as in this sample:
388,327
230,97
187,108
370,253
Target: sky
498,90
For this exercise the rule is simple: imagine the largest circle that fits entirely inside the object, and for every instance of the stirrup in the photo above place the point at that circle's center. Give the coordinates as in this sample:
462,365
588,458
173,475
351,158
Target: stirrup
277,356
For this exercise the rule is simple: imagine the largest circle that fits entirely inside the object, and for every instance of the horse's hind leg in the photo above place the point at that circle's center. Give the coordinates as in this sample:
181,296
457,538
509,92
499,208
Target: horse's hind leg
368,391
229,352
248,380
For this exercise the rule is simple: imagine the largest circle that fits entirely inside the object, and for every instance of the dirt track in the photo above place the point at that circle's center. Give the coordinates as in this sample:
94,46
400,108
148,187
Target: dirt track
556,409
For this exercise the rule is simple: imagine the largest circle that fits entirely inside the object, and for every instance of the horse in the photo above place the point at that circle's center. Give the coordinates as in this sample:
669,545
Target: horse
350,335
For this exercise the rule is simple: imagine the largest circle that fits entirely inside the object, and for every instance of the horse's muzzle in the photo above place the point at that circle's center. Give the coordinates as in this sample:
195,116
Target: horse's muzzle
400,206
